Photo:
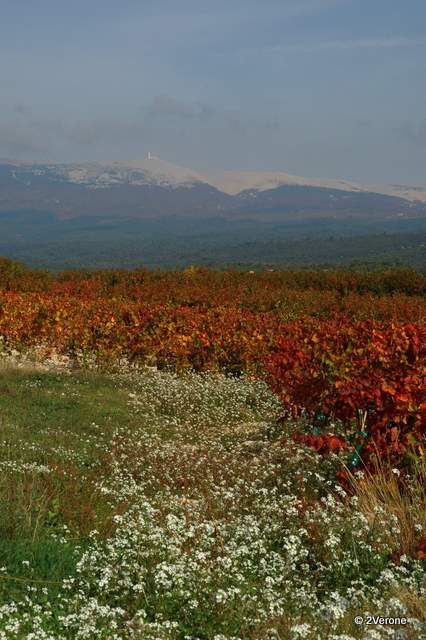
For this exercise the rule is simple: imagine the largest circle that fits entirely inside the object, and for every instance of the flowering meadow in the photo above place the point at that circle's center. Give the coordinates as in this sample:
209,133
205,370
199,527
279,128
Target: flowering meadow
212,455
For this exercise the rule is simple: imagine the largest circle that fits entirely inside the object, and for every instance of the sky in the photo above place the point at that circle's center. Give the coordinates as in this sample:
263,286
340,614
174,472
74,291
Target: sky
325,88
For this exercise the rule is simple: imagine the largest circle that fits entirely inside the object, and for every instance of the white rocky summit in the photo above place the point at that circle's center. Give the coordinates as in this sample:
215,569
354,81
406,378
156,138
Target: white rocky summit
152,170
149,171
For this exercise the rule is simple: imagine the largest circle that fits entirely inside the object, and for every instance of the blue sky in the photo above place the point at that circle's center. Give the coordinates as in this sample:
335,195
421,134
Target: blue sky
327,88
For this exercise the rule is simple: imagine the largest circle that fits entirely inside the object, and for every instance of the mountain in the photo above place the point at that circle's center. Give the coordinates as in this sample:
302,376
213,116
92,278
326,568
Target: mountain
95,175
234,182
154,188
152,212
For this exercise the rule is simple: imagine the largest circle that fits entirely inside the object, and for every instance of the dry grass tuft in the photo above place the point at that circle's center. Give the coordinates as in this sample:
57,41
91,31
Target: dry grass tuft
403,495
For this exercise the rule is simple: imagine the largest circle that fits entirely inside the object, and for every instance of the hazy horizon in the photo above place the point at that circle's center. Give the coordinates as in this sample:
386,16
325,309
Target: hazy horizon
319,88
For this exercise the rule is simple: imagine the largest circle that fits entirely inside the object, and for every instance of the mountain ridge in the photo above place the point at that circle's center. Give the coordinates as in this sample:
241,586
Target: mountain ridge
155,171
155,189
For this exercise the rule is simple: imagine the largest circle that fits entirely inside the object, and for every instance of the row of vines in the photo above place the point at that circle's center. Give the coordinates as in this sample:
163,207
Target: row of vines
344,346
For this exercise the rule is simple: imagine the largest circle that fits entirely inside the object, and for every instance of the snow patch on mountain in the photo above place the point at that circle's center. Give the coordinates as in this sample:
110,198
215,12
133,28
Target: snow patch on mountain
152,171
234,182
157,172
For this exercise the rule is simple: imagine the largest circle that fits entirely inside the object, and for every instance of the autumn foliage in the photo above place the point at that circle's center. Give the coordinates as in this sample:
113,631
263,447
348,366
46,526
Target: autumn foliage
351,346
369,375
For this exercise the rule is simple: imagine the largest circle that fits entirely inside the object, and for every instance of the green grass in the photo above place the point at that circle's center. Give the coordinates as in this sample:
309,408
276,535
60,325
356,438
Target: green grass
36,403
156,506
50,561
64,422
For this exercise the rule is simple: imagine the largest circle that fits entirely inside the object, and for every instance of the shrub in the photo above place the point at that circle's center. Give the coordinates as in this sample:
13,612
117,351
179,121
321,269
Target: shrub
369,375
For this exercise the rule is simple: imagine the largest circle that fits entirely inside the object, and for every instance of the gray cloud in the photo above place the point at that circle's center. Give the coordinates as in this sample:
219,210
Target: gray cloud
21,109
395,42
363,123
183,132
206,137
20,142
413,132
166,106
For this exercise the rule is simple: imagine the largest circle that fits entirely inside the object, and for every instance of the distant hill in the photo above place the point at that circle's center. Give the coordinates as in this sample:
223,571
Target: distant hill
153,188
153,212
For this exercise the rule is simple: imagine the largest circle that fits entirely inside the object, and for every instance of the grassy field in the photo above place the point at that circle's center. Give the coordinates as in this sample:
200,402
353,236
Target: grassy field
152,505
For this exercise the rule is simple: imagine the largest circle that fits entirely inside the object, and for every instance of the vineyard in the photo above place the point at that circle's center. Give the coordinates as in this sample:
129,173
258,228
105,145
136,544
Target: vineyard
349,346
211,455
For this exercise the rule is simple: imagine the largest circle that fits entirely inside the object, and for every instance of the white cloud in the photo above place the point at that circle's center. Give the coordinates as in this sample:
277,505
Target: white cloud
359,43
